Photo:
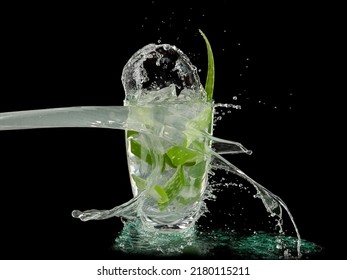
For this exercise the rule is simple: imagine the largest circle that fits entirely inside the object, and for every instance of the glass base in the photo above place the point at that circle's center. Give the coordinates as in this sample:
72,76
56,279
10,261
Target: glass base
171,222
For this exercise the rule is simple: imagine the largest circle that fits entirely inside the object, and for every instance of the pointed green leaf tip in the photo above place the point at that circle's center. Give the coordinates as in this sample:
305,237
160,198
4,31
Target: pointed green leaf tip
209,86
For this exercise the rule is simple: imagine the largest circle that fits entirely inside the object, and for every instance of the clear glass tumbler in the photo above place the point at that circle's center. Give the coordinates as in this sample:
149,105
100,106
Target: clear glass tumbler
168,160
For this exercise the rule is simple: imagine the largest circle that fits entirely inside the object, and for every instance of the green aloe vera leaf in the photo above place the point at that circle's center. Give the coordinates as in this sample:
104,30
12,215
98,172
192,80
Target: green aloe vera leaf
165,194
159,194
138,150
198,146
167,161
198,170
180,155
209,85
131,133
140,183
175,183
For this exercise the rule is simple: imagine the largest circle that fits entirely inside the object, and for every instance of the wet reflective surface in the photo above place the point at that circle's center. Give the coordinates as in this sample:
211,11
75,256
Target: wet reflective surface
204,243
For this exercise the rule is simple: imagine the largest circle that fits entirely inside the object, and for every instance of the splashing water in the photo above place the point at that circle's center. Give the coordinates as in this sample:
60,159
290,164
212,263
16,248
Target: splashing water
160,107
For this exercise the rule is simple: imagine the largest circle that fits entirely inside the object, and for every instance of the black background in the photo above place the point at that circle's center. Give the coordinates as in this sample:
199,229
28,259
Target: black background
60,56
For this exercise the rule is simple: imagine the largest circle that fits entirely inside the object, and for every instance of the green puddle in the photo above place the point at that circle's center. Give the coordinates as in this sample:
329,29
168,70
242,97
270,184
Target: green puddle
199,242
